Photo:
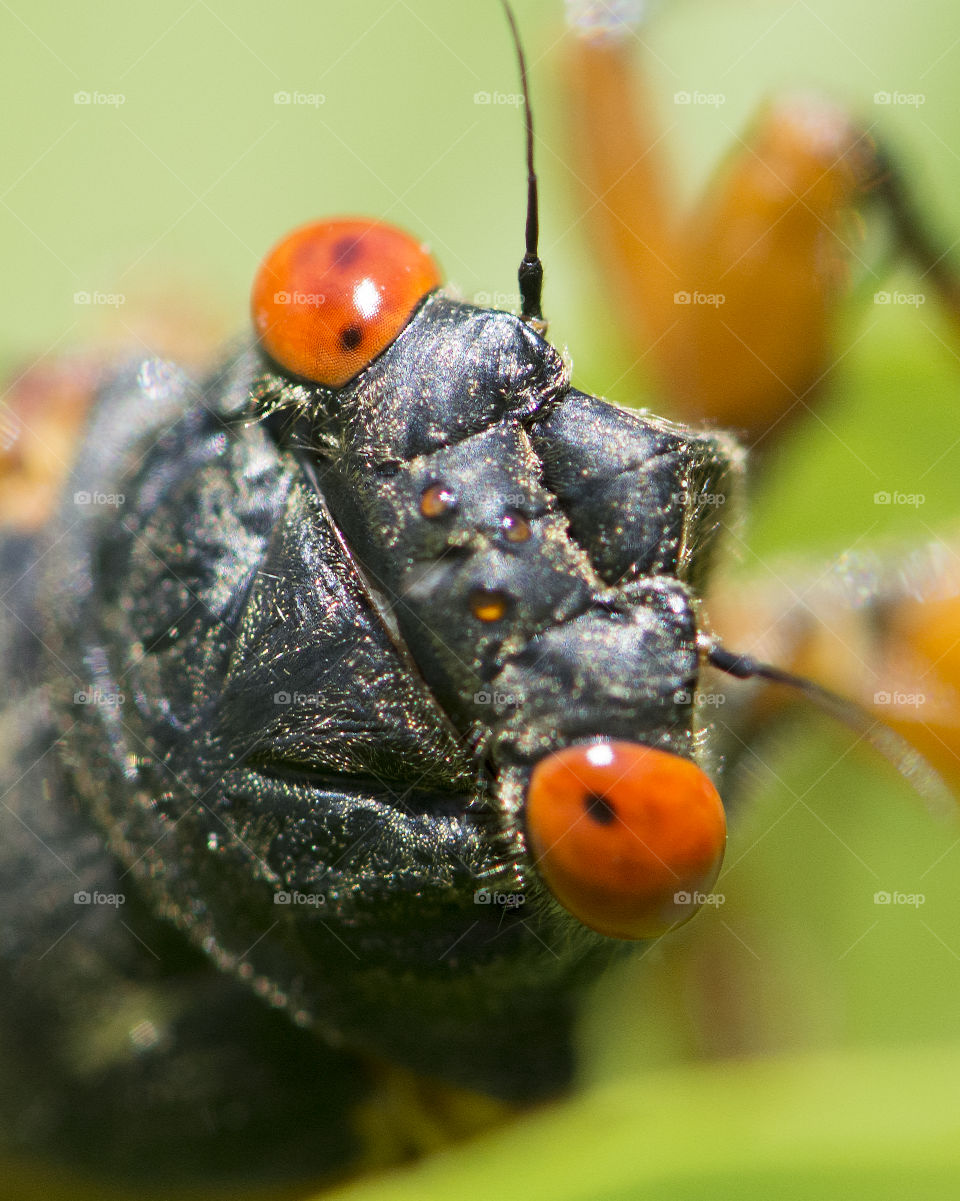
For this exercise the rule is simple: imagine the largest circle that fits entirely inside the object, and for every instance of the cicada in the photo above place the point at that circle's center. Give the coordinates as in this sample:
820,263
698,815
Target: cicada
358,724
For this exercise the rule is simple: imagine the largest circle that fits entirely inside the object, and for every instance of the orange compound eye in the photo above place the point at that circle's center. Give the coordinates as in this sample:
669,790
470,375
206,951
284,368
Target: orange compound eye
627,838
332,295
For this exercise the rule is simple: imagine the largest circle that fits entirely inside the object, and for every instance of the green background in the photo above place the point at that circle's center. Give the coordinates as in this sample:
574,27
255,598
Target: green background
800,1040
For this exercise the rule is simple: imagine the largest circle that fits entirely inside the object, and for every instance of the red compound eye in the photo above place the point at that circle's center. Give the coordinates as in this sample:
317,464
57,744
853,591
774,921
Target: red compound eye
332,295
627,838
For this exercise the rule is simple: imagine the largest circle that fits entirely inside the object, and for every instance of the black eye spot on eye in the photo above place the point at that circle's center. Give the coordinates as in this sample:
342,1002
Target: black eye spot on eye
599,809
350,337
346,251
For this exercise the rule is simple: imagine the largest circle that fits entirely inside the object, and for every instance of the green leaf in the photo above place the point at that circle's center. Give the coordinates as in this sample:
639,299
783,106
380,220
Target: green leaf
871,1125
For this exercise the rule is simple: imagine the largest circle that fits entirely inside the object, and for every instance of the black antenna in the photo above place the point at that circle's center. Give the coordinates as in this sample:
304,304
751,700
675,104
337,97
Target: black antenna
894,748
530,275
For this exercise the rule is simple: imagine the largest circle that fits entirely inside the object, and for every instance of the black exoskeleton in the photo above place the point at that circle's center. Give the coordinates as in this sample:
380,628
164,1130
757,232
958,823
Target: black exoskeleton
290,685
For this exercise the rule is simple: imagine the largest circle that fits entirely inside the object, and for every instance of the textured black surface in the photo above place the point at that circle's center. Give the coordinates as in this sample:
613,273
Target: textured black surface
265,677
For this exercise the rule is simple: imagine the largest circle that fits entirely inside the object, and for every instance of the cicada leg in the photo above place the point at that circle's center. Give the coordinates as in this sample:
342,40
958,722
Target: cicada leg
618,151
41,415
406,1116
734,301
883,629
44,406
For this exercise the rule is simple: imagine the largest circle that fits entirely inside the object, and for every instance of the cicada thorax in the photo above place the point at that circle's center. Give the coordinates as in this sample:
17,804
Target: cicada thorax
439,486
